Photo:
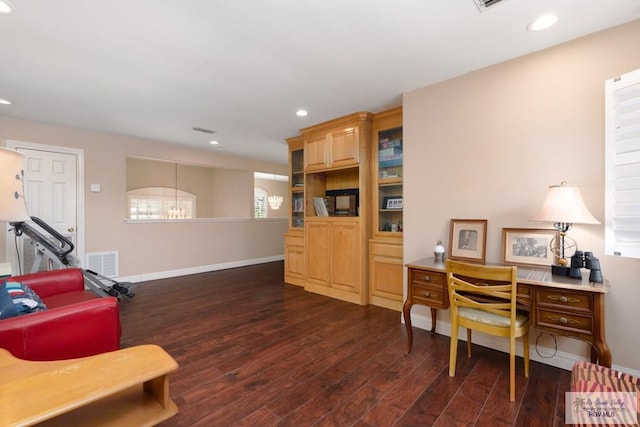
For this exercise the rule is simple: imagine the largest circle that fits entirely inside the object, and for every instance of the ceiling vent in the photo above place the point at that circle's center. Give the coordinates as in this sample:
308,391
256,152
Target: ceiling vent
203,130
486,4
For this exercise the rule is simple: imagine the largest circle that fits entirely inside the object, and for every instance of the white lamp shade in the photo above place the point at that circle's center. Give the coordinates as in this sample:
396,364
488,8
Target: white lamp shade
564,204
12,203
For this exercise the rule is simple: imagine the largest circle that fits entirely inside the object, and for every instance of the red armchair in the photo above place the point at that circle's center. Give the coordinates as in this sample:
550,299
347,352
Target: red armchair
77,323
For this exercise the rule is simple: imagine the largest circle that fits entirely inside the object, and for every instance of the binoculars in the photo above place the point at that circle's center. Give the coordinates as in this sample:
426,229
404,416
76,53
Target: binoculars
585,260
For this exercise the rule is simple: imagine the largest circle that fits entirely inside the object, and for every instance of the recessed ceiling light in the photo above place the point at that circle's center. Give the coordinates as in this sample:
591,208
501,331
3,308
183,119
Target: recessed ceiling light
214,142
301,113
5,102
542,23
5,7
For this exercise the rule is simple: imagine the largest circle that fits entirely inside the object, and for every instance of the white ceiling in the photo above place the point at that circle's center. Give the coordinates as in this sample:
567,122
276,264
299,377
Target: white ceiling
157,68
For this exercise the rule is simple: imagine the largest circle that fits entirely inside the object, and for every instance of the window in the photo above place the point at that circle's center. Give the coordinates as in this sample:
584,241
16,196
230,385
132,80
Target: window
160,203
259,203
622,165
269,195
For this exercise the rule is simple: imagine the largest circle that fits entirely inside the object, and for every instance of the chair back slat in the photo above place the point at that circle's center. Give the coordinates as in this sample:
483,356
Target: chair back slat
489,288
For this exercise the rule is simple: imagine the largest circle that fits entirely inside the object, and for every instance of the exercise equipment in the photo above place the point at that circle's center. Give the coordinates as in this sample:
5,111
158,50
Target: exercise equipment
49,244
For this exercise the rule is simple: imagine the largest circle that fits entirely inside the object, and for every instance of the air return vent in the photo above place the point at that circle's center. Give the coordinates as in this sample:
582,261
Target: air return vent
103,263
485,4
203,130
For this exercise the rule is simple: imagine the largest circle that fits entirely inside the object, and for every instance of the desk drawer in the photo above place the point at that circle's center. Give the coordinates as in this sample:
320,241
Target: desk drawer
576,302
563,321
422,278
433,296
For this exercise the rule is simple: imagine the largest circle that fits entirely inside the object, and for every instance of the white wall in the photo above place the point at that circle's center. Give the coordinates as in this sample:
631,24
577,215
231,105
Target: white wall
488,144
149,249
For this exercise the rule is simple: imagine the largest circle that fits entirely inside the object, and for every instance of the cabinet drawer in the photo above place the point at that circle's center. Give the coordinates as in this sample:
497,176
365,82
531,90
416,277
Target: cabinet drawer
386,249
422,277
524,295
433,296
563,321
577,302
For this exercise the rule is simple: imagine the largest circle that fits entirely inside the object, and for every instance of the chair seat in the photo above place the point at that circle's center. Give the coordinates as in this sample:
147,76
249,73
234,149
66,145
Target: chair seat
492,319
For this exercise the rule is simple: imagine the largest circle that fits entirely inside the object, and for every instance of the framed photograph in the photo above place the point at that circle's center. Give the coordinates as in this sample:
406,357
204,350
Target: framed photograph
527,246
392,203
468,240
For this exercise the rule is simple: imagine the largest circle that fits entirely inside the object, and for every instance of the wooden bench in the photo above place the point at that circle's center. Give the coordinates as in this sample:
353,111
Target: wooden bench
128,387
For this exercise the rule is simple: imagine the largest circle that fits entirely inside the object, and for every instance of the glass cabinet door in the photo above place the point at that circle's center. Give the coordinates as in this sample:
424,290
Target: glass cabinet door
389,170
297,189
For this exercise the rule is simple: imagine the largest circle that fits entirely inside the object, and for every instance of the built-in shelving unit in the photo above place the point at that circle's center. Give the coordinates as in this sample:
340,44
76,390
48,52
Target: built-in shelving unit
385,248
294,238
346,223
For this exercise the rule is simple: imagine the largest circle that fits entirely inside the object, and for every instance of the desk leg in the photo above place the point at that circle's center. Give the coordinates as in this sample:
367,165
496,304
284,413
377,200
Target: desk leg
603,354
434,316
406,313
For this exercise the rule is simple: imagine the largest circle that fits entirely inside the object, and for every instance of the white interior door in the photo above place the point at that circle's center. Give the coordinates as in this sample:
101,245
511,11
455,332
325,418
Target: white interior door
52,183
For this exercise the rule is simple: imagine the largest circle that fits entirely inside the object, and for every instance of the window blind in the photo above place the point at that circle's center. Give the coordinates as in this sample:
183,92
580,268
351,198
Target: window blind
622,165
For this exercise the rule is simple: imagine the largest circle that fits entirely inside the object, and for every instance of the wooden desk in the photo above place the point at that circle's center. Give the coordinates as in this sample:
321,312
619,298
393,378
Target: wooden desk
558,305
127,387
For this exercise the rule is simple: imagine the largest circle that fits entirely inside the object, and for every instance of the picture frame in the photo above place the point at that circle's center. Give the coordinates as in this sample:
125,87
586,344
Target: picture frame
527,246
468,240
392,203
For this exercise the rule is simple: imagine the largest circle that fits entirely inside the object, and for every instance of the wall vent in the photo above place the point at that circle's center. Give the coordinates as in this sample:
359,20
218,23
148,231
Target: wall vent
485,4
103,263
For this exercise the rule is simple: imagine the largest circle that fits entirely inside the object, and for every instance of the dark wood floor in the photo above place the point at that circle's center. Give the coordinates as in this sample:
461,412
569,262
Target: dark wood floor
254,351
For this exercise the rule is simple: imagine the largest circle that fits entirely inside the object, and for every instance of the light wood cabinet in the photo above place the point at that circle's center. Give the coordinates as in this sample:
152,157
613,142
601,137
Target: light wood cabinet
294,261
318,242
335,144
296,183
294,258
333,251
345,251
344,147
336,157
385,273
354,258
386,247
316,151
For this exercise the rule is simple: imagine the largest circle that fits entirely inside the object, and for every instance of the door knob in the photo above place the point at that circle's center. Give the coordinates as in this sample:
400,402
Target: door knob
71,229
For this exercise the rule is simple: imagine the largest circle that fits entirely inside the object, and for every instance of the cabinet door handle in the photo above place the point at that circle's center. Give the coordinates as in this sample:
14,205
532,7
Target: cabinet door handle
427,294
427,278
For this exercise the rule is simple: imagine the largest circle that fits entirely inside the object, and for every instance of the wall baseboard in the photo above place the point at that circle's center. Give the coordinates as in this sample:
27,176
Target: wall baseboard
560,359
200,269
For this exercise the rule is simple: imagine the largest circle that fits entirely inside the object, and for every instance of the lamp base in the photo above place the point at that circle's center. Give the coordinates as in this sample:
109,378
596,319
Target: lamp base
560,270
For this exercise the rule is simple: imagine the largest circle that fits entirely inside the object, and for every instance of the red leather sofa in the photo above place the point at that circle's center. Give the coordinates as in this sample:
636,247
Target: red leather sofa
76,323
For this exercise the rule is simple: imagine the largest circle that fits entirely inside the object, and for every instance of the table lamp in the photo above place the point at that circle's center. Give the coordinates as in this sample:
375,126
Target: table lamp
13,207
563,207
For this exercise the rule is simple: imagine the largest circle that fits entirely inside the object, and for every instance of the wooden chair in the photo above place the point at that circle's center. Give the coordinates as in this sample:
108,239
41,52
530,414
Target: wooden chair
484,298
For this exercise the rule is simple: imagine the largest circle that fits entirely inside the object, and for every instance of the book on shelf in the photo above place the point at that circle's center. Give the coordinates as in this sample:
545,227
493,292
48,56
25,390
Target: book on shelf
389,143
321,207
385,152
390,161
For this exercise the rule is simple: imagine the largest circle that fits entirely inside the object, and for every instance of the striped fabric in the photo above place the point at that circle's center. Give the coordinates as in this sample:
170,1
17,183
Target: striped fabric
590,378
586,376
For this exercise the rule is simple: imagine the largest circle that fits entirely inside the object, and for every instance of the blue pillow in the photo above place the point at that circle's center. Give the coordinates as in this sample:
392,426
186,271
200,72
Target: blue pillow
25,300
7,307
